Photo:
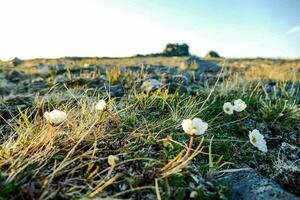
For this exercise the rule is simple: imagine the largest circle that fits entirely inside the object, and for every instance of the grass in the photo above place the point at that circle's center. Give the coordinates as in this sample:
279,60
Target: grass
157,160
75,153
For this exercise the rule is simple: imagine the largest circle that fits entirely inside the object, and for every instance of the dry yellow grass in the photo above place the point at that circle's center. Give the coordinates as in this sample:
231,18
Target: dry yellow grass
257,69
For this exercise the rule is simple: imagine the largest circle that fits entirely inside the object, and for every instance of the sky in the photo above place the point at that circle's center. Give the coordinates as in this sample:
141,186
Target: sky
117,28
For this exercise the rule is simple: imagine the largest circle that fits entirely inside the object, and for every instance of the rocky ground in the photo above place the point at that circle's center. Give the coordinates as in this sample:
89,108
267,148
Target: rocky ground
276,112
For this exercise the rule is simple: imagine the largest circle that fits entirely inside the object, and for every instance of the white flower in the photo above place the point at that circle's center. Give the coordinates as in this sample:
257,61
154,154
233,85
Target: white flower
101,105
55,117
112,160
239,105
193,194
194,127
228,108
257,139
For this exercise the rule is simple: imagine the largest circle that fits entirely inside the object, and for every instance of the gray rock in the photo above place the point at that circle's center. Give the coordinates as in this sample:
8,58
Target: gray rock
134,68
173,70
201,66
289,152
116,91
150,69
37,84
96,82
60,66
180,88
249,185
11,104
209,78
43,69
61,78
15,76
6,131
180,79
5,86
205,66
287,167
165,78
16,61
151,85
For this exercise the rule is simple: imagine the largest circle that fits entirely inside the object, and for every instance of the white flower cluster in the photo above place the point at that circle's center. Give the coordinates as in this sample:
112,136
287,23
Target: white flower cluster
198,127
192,127
238,106
56,117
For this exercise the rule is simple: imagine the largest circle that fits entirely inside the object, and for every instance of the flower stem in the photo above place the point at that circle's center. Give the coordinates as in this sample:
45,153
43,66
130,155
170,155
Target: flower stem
190,146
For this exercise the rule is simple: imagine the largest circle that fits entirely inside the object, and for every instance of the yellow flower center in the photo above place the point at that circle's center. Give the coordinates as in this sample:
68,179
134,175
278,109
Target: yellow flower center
227,109
253,139
193,131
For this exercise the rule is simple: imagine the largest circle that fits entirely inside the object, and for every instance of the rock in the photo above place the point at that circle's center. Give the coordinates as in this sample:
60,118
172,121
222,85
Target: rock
95,82
12,104
6,131
19,100
60,66
37,84
116,91
134,68
287,167
5,86
200,66
29,85
249,185
180,79
205,67
165,78
151,85
209,78
16,61
149,69
43,69
175,87
61,78
289,152
15,76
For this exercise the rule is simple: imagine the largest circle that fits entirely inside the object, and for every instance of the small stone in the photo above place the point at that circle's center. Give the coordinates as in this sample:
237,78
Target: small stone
180,79
116,91
151,85
175,87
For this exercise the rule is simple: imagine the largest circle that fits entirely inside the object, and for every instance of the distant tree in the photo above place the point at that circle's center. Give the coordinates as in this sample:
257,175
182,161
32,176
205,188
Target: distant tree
212,54
176,50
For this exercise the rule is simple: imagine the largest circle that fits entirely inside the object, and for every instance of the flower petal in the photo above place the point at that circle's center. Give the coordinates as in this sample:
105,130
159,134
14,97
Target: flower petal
200,126
187,125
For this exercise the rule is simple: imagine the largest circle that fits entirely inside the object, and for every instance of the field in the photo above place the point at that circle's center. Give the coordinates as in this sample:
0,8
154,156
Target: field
136,148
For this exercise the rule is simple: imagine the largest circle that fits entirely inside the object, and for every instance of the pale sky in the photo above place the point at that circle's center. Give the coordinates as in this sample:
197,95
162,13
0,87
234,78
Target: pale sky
234,28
